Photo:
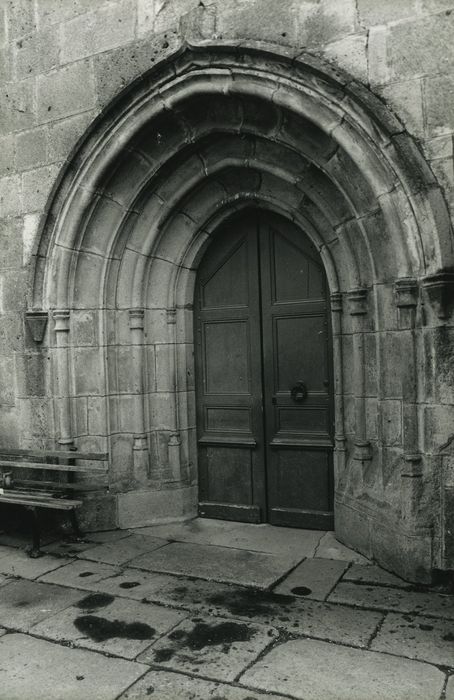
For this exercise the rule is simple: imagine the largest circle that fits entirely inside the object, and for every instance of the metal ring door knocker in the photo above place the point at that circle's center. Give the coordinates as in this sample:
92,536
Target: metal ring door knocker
298,392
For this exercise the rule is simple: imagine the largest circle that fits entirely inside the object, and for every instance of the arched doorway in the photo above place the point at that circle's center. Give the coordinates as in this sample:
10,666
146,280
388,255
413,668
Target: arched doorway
264,378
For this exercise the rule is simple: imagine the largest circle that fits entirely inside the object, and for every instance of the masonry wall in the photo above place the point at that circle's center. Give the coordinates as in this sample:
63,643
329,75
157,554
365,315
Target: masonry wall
63,61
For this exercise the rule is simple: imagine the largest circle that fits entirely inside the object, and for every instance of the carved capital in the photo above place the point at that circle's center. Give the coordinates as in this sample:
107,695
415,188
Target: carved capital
357,301
336,302
136,319
61,318
406,293
362,451
440,291
36,322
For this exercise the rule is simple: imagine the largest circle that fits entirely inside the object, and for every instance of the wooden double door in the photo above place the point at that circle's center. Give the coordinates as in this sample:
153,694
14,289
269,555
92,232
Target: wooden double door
263,376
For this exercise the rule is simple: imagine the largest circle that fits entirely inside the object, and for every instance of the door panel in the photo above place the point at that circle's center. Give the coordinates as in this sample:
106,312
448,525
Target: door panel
229,379
265,451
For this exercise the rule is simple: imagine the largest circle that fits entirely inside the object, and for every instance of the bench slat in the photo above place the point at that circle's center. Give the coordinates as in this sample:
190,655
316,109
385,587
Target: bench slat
41,501
59,485
90,456
52,467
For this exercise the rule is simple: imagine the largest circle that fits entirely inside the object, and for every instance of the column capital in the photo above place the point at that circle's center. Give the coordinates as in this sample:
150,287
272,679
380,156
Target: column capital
357,301
406,293
336,301
61,318
136,319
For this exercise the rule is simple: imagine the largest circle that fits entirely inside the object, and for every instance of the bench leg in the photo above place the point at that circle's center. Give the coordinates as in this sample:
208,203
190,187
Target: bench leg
35,550
77,534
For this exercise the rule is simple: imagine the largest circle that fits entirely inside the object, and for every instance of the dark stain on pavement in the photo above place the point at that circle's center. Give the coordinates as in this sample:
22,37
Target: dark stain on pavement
95,600
249,603
129,584
100,630
448,637
301,590
85,573
202,635
426,628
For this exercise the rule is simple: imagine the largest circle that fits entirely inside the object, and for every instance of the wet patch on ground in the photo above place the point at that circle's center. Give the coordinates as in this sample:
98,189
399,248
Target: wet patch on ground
98,629
301,590
202,635
251,603
95,600
129,584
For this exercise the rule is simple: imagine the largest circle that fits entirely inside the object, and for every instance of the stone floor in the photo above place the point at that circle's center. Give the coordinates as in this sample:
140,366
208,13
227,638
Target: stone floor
217,610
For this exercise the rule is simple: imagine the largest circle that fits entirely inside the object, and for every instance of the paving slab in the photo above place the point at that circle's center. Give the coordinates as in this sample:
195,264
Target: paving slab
35,668
107,535
258,538
81,574
5,551
210,647
117,626
214,563
24,603
313,578
164,685
417,637
313,670
381,598
375,575
18,563
450,689
330,548
67,548
122,550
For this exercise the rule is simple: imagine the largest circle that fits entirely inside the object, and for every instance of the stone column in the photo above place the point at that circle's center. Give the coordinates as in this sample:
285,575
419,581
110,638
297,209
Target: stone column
174,443
339,437
406,298
140,442
357,299
61,318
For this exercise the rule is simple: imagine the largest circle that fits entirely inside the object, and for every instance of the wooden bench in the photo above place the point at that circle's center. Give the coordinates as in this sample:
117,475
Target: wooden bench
39,479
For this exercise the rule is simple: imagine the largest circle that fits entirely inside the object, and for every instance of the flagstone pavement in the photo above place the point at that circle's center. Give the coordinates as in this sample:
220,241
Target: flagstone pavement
217,610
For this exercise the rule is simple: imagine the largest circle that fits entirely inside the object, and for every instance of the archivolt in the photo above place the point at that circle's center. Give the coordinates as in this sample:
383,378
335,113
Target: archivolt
190,141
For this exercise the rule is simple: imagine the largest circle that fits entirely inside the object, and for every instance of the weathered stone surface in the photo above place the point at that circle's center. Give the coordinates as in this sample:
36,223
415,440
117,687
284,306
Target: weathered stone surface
431,57
122,550
439,102
35,669
18,563
66,91
406,99
417,637
31,149
330,548
227,646
36,53
24,603
313,578
216,564
311,670
372,13
373,574
80,574
381,598
258,538
121,627
175,686
106,27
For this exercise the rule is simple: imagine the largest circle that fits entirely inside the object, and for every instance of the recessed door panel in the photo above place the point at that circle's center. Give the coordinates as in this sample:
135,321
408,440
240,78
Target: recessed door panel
264,384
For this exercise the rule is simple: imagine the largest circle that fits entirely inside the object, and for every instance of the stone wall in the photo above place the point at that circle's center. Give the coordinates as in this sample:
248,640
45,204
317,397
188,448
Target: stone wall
62,62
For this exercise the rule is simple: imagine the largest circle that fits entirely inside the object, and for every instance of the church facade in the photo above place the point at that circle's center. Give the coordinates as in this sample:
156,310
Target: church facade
227,260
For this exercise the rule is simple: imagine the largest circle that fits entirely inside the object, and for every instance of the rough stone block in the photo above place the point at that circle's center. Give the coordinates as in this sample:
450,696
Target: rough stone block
31,149
161,16
273,22
439,104
36,187
139,508
56,11
405,99
88,371
326,21
421,638
20,15
36,53
11,247
352,528
350,54
107,26
17,106
30,374
7,151
432,57
377,54
97,415
66,91
116,69
10,195
391,422
64,134
372,12
438,427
